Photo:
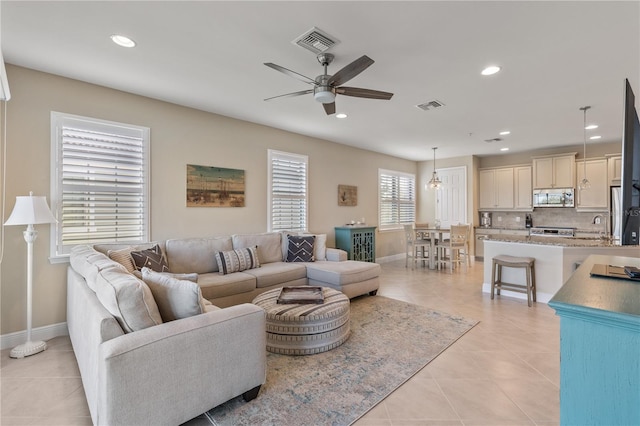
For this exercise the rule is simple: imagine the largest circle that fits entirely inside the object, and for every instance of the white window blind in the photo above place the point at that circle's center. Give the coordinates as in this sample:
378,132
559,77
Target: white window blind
287,191
397,198
100,187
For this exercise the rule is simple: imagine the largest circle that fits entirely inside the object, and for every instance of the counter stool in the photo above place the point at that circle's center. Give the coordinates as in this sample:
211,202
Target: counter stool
528,287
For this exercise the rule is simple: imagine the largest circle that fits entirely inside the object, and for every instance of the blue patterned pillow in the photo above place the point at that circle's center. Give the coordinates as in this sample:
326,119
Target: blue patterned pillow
237,260
301,249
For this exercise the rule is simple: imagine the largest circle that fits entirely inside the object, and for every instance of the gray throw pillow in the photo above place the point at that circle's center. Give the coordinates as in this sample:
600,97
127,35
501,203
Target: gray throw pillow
176,299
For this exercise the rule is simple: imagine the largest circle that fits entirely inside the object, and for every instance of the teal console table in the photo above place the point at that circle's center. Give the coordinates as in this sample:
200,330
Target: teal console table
599,346
359,241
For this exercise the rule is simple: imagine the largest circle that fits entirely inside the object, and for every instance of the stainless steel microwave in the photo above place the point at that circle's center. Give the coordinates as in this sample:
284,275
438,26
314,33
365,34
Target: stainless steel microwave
554,197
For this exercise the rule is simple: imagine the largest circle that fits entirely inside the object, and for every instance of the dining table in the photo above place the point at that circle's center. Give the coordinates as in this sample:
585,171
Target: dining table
433,234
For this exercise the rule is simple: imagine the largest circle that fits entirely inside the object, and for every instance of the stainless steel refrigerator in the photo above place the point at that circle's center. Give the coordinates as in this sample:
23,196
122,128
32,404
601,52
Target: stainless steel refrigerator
616,214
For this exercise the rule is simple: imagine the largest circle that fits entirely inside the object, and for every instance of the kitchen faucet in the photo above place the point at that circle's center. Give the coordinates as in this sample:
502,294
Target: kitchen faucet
599,217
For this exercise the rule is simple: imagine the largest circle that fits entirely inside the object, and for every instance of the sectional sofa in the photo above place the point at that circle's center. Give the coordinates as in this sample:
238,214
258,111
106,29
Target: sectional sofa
162,347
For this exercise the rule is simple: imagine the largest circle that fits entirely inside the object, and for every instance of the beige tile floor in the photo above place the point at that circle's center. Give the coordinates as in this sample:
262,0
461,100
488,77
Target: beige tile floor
505,371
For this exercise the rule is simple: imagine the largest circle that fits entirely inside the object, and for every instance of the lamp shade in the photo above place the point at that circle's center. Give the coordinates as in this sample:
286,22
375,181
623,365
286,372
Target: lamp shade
30,210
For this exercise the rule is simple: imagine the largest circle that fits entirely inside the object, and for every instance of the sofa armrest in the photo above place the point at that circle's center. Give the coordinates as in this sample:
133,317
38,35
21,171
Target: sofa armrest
170,373
336,255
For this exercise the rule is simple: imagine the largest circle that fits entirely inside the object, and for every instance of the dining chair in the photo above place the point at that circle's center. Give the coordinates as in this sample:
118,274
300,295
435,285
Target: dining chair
417,249
455,249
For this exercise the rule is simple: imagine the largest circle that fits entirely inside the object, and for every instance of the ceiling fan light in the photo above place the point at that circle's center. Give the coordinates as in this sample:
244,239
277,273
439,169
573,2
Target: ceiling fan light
325,96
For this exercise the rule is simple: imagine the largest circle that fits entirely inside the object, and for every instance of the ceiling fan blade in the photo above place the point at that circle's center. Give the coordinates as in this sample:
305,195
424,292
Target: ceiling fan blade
363,93
290,73
291,95
330,108
350,71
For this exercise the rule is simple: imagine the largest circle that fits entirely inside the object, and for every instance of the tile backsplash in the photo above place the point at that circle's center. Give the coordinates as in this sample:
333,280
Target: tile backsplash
559,217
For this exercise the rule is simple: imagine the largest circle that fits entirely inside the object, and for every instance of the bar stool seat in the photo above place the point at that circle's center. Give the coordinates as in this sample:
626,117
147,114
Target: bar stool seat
503,260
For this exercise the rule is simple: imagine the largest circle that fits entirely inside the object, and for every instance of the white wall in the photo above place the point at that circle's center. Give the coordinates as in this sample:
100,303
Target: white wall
179,136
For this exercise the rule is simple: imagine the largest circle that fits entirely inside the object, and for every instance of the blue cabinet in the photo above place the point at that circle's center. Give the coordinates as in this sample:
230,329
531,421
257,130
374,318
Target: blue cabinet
599,346
358,241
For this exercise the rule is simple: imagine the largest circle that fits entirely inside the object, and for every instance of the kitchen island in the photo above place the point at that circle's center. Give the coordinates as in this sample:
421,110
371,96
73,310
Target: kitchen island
556,259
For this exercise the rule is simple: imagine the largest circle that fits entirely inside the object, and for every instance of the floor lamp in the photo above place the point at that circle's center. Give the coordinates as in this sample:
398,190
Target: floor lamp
29,210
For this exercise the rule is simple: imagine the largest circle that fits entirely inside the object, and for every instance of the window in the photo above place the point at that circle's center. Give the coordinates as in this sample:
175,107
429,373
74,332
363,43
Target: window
288,207
397,198
99,182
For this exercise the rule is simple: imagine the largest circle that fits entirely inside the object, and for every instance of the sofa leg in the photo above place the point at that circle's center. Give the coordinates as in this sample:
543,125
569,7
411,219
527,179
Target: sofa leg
373,293
251,394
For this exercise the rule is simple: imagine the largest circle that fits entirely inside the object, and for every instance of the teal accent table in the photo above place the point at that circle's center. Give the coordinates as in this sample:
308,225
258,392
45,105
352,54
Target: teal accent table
359,241
599,346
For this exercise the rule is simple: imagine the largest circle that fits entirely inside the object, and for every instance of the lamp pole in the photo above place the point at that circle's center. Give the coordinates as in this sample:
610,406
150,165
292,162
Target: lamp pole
29,347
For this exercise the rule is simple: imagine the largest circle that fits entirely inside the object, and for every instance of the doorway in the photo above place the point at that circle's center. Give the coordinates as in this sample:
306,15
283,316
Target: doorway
451,197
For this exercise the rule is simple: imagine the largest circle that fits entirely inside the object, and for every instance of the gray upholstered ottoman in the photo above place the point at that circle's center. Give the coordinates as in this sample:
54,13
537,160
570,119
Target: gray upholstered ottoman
305,329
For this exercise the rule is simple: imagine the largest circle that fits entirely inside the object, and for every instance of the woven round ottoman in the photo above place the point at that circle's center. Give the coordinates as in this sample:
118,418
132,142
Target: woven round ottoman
305,329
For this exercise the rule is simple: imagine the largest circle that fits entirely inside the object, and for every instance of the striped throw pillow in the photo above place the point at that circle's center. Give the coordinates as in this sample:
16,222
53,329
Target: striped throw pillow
237,260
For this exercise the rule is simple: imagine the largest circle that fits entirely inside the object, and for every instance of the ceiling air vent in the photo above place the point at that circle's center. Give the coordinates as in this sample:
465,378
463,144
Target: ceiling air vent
430,105
316,40
493,140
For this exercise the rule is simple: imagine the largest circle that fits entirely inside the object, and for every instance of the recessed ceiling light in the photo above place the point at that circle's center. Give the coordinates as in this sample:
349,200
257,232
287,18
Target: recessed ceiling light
341,115
591,127
504,149
595,137
123,41
506,132
490,70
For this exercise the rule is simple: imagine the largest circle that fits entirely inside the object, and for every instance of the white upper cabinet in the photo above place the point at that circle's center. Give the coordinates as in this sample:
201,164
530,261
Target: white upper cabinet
596,197
557,171
615,169
496,189
523,188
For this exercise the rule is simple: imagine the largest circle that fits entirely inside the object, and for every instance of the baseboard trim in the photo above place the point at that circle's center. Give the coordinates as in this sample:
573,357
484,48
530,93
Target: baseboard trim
540,297
47,332
392,258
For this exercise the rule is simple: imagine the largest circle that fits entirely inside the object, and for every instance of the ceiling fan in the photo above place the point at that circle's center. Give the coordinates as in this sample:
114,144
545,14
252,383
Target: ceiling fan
326,87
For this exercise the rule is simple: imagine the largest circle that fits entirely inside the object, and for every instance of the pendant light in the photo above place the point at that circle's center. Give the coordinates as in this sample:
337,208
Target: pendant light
435,181
584,183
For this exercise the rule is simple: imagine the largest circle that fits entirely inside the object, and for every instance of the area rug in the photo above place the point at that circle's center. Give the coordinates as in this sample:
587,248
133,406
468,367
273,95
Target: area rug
390,342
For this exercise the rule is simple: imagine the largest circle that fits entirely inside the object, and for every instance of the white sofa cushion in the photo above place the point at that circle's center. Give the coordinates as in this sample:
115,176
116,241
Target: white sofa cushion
176,298
127,298
214,285
88,262
195,254
278,273
269,245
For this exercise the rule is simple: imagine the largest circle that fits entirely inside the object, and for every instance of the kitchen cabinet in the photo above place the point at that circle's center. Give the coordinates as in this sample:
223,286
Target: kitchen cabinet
595,198
523,188
496,189
358,241
614,174
554,171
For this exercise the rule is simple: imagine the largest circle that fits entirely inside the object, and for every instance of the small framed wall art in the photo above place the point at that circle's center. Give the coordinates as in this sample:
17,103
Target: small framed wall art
214,187
347,195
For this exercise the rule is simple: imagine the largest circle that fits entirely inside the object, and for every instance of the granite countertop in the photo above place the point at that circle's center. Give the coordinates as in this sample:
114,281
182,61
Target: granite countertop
500,228
551,241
